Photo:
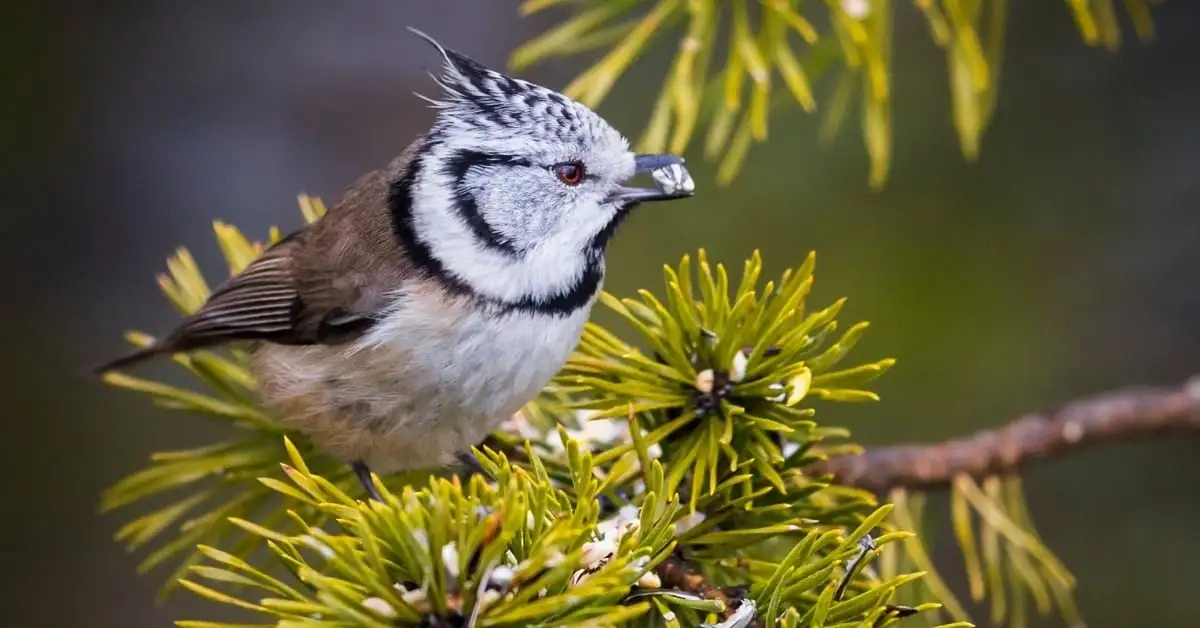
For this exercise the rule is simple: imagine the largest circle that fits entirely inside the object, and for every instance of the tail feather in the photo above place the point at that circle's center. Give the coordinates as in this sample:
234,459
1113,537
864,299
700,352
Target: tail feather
131,359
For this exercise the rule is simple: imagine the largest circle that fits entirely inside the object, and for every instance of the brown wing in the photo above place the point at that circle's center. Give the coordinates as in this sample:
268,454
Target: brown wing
324,284
257,304
269,301
264,302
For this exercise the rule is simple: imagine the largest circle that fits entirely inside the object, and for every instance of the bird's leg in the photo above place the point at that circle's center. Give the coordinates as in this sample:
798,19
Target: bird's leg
364,475
469,461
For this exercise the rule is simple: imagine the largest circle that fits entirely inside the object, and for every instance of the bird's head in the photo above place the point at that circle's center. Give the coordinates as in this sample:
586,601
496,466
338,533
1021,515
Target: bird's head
517,188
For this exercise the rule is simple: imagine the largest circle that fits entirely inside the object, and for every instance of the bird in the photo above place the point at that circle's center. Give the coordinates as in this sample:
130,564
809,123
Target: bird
443,291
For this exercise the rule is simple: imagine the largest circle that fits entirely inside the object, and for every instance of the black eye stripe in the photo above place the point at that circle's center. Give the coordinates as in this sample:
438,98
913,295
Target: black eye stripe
456,167
565,303
463,160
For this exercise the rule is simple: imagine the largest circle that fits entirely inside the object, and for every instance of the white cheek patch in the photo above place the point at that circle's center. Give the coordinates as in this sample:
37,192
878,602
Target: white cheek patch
674,180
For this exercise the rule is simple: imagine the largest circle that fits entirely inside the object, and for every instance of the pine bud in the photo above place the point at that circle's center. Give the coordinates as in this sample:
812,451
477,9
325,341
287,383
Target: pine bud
800,385
738,372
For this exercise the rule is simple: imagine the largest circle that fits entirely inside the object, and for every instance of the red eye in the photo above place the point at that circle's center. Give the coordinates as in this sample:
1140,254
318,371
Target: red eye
569,173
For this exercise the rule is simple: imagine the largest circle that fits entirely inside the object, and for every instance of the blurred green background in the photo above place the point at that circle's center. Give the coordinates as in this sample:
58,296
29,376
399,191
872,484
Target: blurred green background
1063,263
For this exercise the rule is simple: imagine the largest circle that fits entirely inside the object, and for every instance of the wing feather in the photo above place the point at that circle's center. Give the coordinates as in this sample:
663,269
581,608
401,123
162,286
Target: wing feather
323,284
263,302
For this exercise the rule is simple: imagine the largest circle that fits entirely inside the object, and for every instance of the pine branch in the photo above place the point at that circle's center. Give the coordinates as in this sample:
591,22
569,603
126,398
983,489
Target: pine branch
675,573
1116,416
715,418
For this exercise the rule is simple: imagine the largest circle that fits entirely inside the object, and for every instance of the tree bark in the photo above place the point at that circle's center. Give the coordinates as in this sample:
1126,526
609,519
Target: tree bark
1116,416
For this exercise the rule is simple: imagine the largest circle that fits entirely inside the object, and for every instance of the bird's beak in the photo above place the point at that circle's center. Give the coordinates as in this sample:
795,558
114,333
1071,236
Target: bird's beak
670,175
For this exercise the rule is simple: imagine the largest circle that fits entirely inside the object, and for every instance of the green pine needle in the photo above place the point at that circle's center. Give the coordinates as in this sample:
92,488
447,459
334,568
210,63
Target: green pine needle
518,552
721,392
514,553
796,43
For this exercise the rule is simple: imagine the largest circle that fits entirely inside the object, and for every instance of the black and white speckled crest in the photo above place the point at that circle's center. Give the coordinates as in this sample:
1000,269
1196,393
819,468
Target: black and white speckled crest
477,98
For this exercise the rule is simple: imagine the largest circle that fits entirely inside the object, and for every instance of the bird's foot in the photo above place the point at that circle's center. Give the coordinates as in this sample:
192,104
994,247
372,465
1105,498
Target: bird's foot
472,465
364,476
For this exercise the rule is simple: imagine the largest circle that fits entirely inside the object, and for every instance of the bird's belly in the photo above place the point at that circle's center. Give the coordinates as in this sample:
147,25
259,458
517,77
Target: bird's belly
417,389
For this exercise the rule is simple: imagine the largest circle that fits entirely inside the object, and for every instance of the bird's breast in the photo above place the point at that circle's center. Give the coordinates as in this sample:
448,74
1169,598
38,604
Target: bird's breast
426,382
471,360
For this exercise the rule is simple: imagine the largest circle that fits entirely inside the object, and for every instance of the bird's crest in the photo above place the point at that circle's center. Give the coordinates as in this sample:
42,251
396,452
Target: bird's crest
477,98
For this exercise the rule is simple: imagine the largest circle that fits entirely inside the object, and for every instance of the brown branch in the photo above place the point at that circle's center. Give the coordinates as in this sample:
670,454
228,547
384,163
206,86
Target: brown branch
675,573
1116,416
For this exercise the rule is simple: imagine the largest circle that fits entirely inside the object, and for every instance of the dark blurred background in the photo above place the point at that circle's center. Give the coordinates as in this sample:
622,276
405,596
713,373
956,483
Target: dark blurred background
1064,262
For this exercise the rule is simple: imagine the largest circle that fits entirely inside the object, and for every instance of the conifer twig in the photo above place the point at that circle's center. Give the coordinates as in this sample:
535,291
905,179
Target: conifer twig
1116,416
677,574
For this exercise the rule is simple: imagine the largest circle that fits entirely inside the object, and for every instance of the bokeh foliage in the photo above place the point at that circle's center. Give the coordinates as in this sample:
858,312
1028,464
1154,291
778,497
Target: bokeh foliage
775,52
700,428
